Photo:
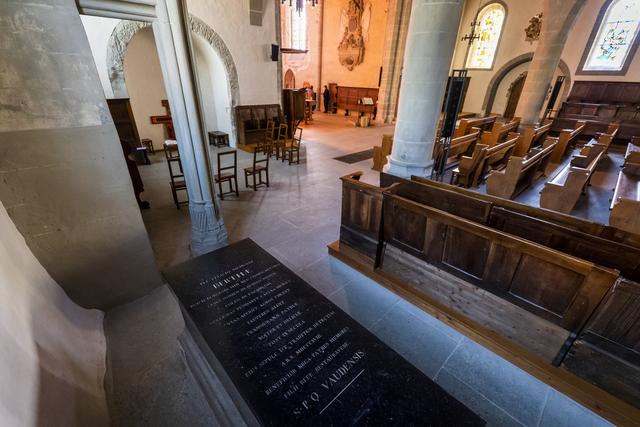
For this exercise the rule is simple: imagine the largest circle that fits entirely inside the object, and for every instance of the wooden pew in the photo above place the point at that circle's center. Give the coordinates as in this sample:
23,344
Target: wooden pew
607,352
459,146
625,205
632,155
567,137
560,290
562,192
606,138
380,152
499,132
531,136
466,125
472,169
361,214
520,173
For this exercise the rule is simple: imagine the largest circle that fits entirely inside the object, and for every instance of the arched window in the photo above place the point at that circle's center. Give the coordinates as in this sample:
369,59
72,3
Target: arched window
614,38
483,50
299,29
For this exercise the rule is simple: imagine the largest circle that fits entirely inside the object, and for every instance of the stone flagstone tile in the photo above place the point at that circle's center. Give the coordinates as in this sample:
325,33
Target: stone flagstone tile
508,387
328,275
561,411
420,343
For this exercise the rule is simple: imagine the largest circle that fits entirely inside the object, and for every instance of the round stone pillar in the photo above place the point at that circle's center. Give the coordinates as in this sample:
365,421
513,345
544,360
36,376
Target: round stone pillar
433,30
557,19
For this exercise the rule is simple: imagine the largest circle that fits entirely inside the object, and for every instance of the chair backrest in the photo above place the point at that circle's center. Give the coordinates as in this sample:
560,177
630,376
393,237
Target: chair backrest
234,155
297,137
270,130
282,131
172,174
258,162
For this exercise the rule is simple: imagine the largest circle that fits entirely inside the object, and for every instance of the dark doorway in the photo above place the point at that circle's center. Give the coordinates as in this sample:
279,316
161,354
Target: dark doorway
514,95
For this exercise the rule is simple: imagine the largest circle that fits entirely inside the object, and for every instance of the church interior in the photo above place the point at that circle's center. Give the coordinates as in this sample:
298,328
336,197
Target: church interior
320,212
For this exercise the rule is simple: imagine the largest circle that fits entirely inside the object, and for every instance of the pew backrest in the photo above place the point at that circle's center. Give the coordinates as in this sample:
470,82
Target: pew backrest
466,125
555,286
531,137
499,132
459,146
606,138
565,139
381,152
632,155
563,191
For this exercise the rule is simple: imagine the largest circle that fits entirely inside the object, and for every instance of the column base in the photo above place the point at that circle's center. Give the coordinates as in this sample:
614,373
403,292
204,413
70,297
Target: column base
208,232
405,169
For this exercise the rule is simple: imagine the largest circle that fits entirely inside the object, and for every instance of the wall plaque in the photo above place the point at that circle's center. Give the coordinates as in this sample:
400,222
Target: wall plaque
295,357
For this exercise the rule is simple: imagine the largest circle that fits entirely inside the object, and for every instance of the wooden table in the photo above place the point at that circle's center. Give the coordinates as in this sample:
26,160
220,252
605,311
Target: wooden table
218,138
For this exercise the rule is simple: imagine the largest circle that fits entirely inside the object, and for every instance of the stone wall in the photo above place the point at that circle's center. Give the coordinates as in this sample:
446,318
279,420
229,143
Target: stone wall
64,181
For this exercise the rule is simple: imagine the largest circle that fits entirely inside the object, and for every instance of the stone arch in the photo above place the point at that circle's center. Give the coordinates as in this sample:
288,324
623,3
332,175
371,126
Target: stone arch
289,79
497,78
126,30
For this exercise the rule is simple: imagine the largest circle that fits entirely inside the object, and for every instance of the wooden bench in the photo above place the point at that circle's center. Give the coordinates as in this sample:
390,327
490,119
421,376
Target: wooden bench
632,155
466,125
606,138
499,132
459,146
531,136
472,169
567,137
520,172
561,291
625,205
380,152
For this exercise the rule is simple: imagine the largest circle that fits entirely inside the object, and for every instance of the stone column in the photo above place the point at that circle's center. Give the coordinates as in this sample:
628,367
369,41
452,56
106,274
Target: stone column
398,16
207,227
433,31
557,19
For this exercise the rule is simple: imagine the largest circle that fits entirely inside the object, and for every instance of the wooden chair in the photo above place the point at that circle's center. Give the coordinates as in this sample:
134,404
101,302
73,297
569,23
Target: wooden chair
532,136
177,182
293,147
231,177
266,145
520,172
281,140
146,142
255,171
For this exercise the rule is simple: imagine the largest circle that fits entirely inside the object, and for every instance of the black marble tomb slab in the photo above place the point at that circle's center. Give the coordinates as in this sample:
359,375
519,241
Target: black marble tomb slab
294,356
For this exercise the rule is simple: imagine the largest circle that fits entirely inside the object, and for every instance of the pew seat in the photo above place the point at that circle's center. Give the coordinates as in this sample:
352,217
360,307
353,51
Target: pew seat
473,169
532,136
563,191
632,155
520,172
567,138
499,132
625,205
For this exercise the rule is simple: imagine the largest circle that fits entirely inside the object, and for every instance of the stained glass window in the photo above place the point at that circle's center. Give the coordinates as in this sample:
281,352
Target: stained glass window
483,50
299,29
616,34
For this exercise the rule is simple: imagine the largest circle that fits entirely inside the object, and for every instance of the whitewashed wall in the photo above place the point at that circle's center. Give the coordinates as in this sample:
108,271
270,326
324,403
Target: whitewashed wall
98,31
145,84
513,44
53,351
250,46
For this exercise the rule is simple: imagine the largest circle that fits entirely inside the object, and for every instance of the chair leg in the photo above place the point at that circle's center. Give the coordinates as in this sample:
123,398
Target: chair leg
220,188
266,174
255,185
235,178
246,179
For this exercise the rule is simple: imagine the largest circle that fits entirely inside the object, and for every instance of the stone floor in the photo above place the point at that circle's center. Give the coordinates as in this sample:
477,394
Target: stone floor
299,215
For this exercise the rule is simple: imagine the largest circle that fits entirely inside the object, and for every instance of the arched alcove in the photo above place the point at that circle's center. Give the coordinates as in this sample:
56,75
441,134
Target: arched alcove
126,30
289,80
517,65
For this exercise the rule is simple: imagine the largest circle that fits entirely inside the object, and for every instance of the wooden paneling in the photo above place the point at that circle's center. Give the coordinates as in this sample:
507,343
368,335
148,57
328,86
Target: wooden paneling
550,284
607,353
348,97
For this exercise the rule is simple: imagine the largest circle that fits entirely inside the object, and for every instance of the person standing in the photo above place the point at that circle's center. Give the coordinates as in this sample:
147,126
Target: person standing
326,97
